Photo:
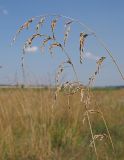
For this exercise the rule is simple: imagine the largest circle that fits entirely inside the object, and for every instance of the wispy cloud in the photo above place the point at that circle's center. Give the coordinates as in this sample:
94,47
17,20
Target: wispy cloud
91,56
32,49
3,11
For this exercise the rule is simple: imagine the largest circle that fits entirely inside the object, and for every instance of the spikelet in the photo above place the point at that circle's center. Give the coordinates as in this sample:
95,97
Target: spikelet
82,39
99,137
66,34
45,41
33,37
59,71
25,25
53,25
67,30
40,23
68,23
70,88
28,43
69,62
56,44
65,84
99,63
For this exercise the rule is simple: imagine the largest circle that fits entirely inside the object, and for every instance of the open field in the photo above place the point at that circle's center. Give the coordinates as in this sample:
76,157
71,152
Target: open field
32,129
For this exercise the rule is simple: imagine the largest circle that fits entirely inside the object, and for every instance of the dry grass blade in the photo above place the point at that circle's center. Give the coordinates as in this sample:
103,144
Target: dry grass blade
82,39
110,138
56,44
92,135
25,25
67,30
40,23
57,91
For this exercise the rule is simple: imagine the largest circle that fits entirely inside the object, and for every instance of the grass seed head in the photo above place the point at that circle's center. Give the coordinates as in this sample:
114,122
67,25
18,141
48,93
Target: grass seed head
53,25
56,44
82,39
40,23
67,30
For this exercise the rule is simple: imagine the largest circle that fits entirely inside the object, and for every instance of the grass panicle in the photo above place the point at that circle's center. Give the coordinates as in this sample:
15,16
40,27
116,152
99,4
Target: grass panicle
70,88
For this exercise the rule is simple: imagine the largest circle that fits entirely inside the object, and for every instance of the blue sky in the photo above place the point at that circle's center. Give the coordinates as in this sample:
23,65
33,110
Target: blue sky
105,17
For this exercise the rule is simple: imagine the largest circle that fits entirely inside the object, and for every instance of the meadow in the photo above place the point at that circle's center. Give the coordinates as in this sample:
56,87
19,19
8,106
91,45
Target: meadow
32,128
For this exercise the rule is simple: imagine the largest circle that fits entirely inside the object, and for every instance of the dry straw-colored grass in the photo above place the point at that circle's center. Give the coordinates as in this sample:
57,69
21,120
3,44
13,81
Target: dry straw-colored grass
31,129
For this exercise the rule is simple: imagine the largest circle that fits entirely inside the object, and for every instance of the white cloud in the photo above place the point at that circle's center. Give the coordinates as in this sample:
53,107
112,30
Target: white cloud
32,49
91,56
3,11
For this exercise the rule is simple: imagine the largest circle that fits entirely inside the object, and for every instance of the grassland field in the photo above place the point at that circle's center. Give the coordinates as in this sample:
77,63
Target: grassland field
31,128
